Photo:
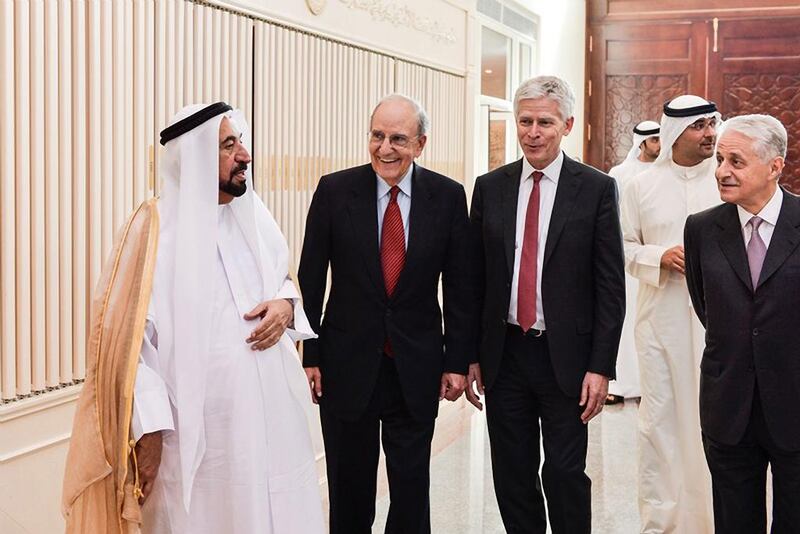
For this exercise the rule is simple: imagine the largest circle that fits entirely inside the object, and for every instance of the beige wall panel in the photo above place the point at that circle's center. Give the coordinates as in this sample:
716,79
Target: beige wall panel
117,180
107,140
94,138
22,116
62,314
37,164
80,281
8,363
187,48
77,167
51,194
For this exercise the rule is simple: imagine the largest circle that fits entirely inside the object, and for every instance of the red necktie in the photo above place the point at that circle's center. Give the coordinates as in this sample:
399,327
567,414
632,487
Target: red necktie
393,249
393,243
526,296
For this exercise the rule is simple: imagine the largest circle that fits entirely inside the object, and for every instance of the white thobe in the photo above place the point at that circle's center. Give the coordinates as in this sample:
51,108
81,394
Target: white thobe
629,168
627,381
674,482
257,471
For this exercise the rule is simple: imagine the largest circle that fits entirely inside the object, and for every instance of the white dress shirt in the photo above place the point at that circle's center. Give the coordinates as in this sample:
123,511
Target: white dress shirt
403,201
547,197
769,214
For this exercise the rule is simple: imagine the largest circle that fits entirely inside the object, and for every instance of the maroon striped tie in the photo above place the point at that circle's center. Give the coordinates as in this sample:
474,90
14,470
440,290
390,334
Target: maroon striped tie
393,243
526,296
393,249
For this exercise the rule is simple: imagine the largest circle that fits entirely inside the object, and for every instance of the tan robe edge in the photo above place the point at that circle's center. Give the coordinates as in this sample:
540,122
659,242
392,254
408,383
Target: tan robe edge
100,486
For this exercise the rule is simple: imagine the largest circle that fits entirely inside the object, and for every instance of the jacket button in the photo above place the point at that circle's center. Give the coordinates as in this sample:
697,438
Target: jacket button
755,331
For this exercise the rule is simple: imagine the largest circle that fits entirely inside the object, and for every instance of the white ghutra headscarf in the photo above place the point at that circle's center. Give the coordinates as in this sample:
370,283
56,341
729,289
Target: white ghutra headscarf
642,131
678,114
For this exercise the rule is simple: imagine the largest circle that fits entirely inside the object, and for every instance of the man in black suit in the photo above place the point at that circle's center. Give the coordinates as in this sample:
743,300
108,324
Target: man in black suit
549,253
743,272
382,357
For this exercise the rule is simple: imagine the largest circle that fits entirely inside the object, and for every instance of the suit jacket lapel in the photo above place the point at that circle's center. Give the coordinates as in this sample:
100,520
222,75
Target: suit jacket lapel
420,224
510,197
785,238
732,244
363,211
566,194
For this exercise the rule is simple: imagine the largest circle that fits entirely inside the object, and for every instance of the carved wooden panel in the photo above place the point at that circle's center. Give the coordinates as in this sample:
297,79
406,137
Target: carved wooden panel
773,94
757,66
634,68
630,100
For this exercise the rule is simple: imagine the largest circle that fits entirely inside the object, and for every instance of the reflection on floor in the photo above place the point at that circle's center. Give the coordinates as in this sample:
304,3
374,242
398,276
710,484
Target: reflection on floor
462,494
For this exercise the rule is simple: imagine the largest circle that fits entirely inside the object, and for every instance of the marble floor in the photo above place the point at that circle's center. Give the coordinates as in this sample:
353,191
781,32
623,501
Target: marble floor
462,494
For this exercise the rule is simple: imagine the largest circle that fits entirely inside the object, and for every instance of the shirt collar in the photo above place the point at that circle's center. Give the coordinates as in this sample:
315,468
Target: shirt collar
404,185
551,172
768,213
700,170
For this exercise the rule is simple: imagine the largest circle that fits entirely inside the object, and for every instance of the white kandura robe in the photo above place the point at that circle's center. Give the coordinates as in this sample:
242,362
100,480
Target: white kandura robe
674,482
627,382
257,472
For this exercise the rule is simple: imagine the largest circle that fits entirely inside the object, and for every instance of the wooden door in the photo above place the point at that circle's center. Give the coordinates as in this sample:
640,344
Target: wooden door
755,68
634,69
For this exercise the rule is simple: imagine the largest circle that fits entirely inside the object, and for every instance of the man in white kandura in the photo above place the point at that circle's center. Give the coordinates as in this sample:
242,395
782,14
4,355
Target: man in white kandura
674,483
219,410
217,353
645,149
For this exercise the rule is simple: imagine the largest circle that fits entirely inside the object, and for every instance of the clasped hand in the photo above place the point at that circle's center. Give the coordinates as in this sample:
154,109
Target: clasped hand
275,315
673,259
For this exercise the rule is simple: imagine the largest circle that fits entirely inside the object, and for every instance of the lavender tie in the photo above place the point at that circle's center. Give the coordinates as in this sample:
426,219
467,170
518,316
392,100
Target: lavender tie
756,250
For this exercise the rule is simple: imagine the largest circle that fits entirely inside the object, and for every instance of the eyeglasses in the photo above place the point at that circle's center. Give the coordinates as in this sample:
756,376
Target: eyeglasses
377,137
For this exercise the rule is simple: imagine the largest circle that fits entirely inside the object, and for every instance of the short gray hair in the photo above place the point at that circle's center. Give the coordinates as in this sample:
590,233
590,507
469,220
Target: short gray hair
768,134
550,87
423,122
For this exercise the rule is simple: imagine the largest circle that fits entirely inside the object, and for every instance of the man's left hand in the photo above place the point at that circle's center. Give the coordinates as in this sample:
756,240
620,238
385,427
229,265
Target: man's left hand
593,395
453,386
275,316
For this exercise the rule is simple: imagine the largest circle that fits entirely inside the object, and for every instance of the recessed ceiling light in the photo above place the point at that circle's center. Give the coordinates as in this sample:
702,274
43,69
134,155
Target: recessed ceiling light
488,71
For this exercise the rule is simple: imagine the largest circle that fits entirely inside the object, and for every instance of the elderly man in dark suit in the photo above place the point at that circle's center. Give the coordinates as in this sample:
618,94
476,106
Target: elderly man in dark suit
743,272
389,231
551,279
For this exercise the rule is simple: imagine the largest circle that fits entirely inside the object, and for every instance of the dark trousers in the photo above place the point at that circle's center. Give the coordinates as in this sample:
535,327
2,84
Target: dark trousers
352,452
525,393
739,481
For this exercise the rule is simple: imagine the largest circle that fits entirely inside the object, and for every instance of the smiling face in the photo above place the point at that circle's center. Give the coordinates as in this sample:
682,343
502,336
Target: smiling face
394,142
742,177
233,161
696,143
540,129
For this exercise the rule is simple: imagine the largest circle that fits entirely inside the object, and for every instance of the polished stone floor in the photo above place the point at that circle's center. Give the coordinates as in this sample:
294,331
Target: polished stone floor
462,495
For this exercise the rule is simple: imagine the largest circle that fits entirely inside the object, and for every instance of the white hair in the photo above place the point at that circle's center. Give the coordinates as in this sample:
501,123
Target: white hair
550,87
768,134
423,122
